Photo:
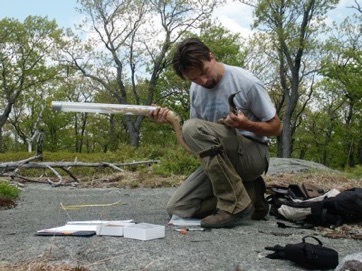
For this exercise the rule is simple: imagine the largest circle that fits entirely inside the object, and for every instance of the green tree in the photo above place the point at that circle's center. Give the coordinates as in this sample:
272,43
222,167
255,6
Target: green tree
330,129
129,44
317,136
25,50
226,45
292,28
343,68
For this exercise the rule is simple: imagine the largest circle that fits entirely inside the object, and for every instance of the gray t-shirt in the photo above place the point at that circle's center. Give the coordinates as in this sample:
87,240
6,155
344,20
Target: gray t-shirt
253,99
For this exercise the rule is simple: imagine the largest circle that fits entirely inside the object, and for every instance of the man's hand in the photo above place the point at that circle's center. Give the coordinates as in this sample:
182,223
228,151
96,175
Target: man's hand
272,127
159,114
238,121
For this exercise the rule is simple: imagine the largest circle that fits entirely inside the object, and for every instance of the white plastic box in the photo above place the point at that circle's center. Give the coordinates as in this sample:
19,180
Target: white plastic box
144,231
111,230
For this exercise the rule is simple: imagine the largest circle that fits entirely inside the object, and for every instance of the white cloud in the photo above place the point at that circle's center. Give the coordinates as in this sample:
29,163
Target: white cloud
236,17
341,12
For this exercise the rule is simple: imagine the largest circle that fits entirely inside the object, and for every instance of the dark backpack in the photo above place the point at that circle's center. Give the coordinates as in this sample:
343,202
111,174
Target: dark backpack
280,195
346,207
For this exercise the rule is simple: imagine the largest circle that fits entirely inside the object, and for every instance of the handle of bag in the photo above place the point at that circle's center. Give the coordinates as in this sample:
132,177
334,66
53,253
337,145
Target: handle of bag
315,238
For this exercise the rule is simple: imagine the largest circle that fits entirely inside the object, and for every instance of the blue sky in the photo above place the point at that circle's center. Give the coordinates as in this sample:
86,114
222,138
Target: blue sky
63,11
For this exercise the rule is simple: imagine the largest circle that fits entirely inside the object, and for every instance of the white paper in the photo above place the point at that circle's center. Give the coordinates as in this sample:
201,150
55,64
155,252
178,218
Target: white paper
71,228
90,225
178,221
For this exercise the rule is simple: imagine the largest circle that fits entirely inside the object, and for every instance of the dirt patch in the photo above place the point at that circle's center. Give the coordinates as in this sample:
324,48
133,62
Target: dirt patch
6,204
41,266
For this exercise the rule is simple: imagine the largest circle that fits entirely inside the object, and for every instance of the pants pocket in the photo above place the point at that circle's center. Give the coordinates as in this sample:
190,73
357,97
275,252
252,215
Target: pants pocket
253,159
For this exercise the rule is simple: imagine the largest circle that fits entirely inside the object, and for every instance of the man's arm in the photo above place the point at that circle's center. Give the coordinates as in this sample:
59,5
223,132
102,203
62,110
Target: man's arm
272,127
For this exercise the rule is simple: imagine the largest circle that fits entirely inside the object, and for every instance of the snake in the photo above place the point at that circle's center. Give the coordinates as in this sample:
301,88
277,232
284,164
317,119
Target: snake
172,118
175,121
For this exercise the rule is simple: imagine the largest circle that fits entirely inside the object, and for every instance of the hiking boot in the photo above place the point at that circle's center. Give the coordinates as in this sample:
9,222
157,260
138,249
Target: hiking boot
260,203
223,219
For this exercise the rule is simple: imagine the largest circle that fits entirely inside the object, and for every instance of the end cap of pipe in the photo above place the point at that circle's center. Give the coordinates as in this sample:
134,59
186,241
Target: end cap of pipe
56,106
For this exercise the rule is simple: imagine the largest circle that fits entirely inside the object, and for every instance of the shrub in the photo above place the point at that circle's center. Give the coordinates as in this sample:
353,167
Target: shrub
355,172
176,163
8,191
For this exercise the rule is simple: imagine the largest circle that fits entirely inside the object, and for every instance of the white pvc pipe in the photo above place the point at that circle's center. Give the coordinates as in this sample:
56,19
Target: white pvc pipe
126,109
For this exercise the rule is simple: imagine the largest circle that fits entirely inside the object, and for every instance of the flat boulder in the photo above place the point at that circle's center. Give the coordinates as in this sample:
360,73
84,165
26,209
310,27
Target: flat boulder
291,165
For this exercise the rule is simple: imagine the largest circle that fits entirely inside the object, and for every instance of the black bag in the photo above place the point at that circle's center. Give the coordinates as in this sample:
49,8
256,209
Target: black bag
306,255
279,195
346,207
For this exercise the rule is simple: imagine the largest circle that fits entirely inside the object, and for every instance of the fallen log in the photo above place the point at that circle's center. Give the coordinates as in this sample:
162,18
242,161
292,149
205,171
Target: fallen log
11,169
15,165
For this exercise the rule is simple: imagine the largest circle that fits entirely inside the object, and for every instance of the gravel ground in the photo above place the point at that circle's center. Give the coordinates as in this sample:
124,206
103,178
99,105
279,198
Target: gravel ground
240,248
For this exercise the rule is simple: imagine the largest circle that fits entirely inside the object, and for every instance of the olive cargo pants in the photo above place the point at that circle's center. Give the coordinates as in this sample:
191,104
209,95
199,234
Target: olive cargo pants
218,182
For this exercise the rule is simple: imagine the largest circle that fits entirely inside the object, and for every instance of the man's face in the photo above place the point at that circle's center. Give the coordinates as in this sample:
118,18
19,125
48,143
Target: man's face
208,77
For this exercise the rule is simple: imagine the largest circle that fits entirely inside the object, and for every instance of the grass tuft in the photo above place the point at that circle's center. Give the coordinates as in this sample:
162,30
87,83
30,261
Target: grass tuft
8,191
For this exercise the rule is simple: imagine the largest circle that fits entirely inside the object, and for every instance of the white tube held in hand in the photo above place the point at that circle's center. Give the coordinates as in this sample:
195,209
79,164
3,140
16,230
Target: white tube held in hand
125,109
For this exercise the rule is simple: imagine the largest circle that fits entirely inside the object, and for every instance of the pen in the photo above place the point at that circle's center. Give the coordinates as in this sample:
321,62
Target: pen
184,230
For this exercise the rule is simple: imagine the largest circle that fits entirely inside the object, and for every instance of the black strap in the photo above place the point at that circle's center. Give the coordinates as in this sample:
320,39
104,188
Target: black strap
315,238
324,216
211,152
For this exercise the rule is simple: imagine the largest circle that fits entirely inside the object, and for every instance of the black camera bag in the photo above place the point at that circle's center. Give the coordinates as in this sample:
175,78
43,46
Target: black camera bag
307,255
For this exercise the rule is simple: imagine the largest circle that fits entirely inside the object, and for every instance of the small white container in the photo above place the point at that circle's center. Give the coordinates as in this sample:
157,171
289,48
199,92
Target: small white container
112,229
144,231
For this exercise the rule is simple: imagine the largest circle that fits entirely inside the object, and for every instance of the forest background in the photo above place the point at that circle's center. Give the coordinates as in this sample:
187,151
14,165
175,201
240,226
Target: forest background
120,53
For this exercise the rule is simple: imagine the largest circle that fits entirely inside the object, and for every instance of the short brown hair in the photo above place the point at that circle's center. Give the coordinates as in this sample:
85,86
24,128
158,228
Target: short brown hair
190,53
